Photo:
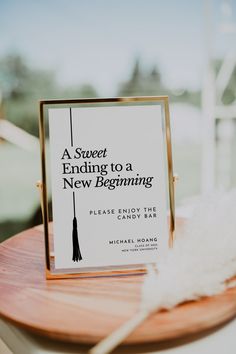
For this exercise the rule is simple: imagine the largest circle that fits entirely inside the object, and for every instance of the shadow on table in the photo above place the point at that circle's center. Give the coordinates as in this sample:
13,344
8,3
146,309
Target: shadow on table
62,347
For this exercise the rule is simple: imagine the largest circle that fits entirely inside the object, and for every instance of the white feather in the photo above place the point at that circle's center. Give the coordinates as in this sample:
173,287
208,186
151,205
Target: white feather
203,257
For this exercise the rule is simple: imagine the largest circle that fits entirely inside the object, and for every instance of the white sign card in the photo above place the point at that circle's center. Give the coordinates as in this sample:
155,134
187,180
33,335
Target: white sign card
109,185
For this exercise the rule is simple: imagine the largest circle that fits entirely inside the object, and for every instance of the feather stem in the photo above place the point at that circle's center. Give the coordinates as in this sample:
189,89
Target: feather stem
118,336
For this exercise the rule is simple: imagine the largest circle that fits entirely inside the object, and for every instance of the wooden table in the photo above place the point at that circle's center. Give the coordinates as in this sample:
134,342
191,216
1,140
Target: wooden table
83,311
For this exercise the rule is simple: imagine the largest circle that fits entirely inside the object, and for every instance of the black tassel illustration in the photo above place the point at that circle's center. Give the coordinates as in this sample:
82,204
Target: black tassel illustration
76,250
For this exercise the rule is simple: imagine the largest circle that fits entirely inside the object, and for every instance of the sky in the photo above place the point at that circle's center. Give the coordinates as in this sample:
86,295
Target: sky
97,41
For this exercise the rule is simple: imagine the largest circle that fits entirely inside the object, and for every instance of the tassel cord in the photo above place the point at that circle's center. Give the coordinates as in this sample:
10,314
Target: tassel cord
76,249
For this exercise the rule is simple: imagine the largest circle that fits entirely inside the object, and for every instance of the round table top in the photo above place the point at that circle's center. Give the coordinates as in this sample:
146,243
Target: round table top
86,310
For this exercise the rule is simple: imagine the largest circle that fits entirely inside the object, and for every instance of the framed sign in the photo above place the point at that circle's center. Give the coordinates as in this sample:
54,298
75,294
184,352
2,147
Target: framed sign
108,166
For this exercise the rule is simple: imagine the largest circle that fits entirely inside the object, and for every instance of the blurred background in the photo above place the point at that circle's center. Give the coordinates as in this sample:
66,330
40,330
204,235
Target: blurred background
74,49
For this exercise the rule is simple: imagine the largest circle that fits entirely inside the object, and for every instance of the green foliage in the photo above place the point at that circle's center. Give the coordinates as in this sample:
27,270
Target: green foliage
84,91
22,87
150,83
141,83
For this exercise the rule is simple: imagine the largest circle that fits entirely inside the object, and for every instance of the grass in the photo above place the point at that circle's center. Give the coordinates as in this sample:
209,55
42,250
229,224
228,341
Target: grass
19,171
187,164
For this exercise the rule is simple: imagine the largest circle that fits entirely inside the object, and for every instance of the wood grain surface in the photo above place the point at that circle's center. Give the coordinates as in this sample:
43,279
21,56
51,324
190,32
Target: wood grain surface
87,310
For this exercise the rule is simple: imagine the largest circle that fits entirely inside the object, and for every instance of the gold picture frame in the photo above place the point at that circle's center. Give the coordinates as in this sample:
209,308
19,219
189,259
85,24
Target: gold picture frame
44,105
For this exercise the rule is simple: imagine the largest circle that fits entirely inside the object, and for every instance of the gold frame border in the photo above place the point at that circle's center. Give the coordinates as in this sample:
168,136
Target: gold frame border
43,185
